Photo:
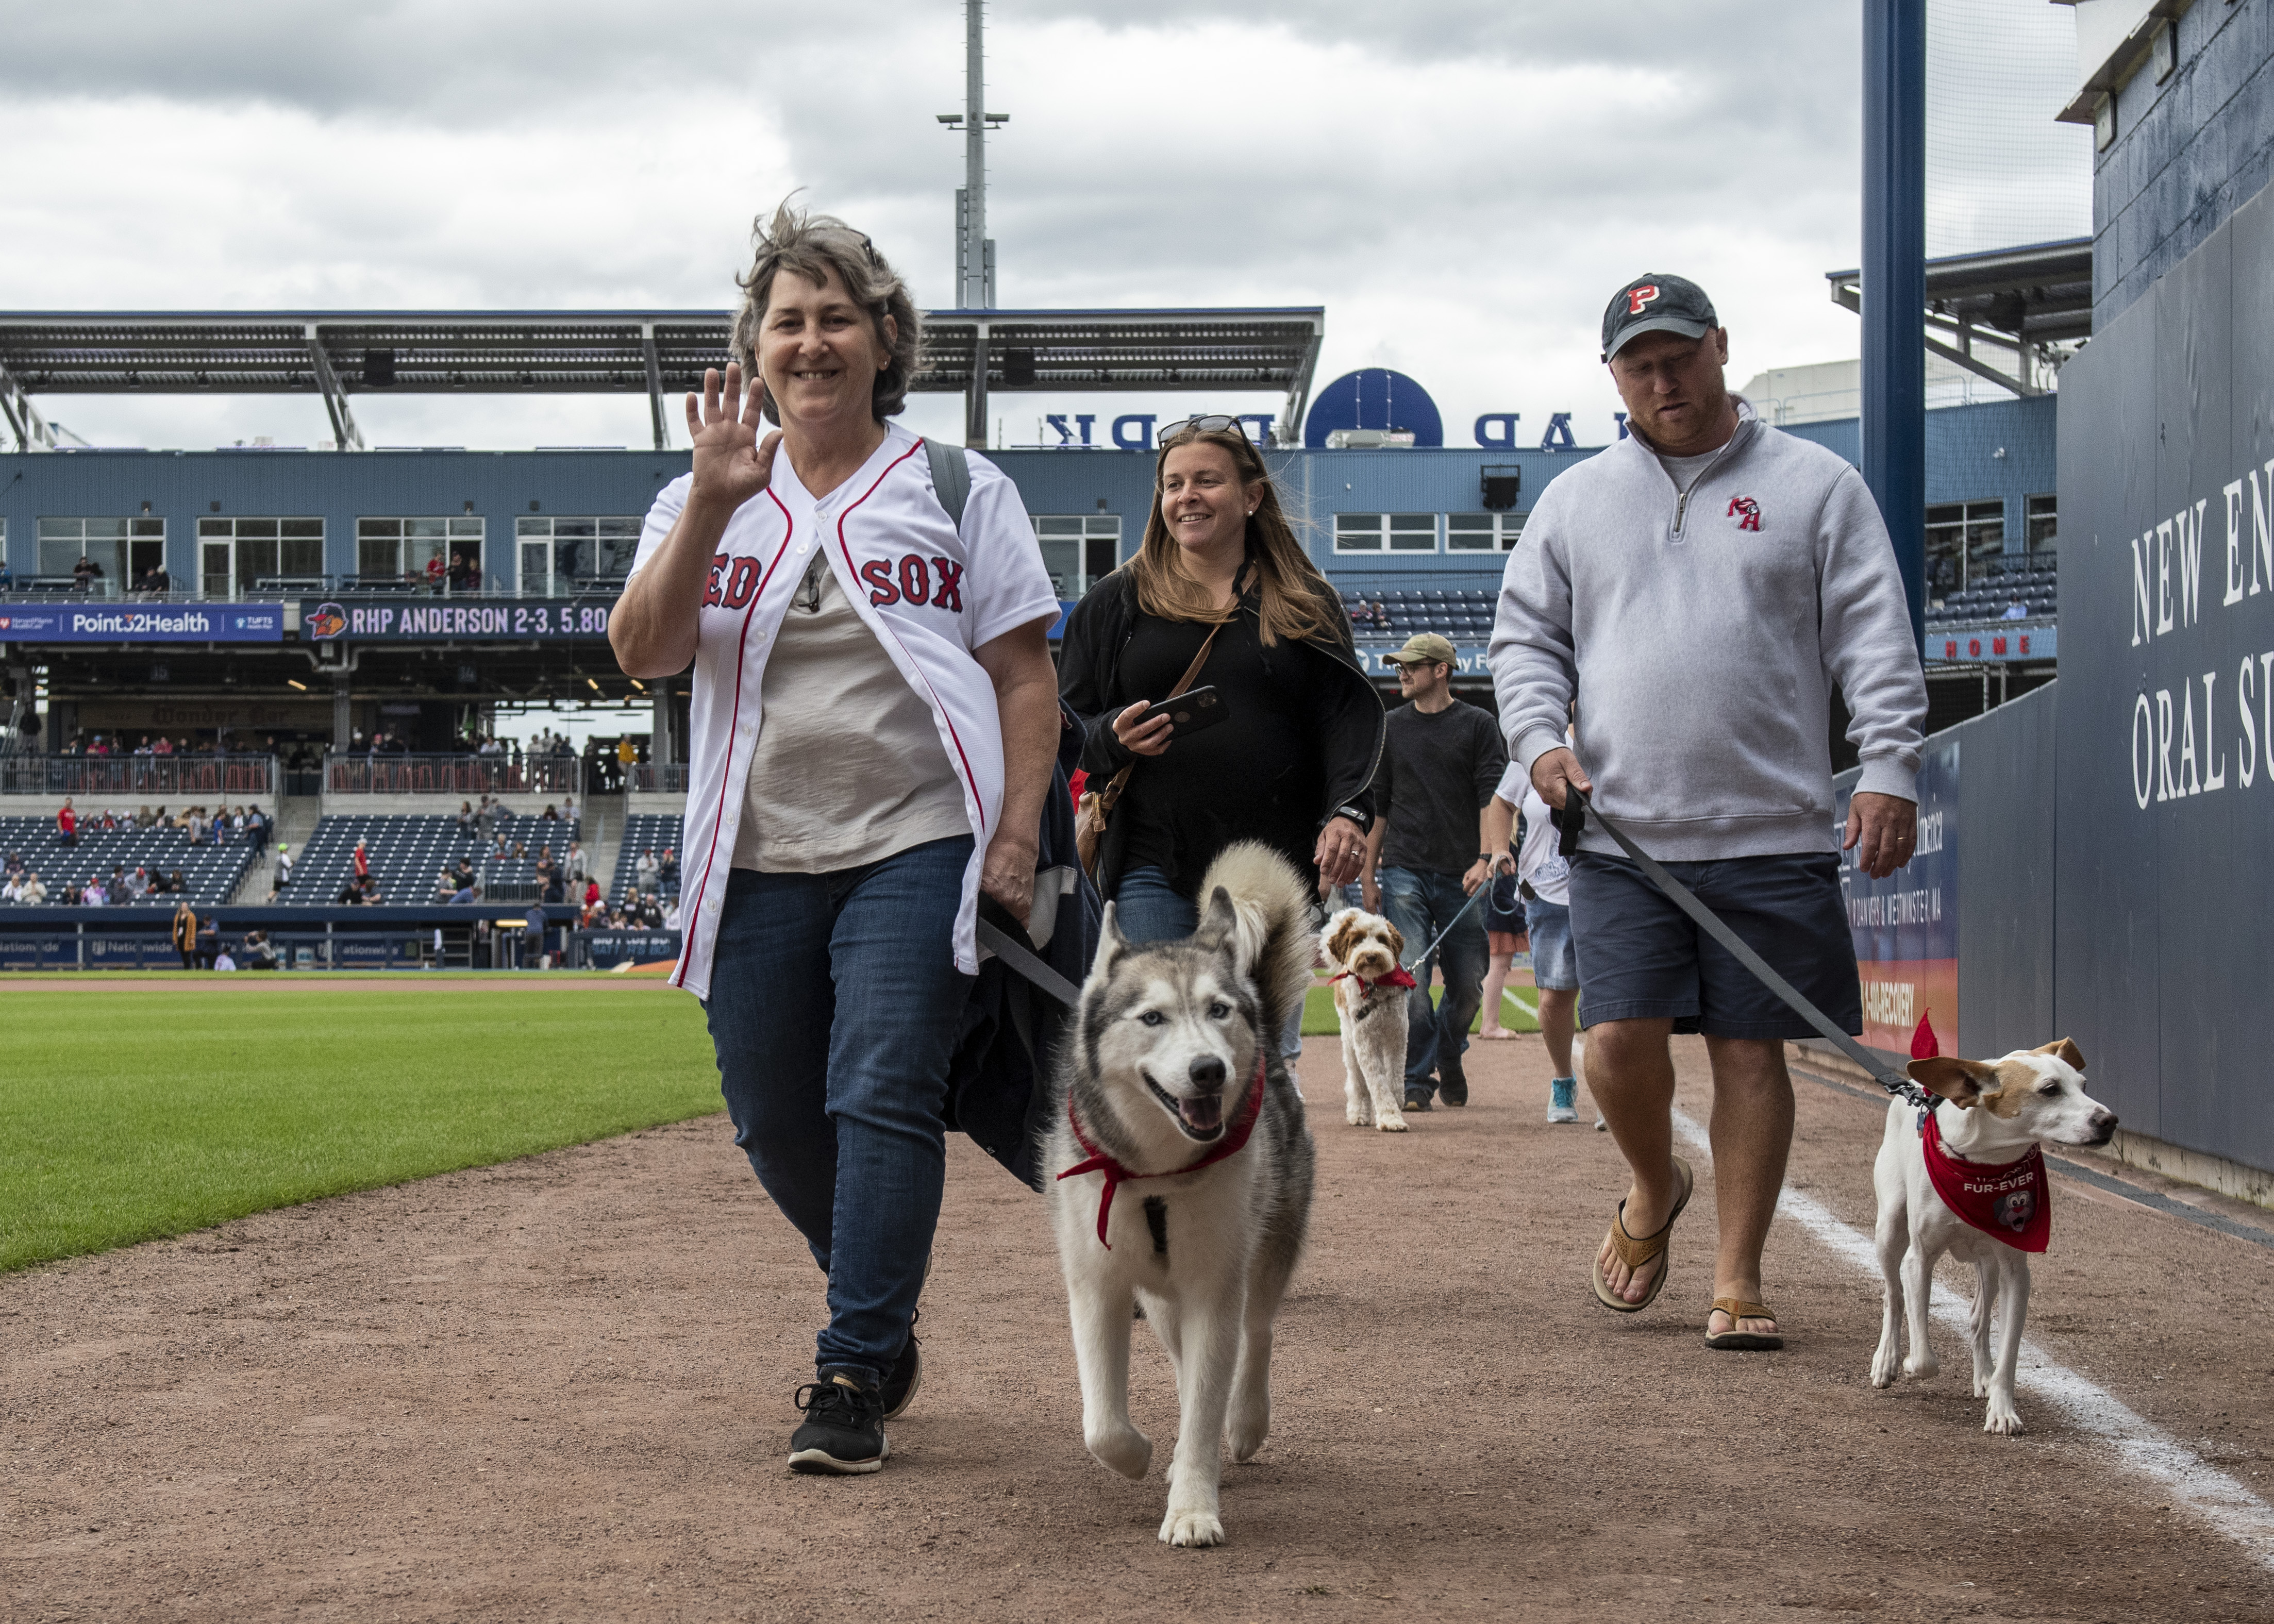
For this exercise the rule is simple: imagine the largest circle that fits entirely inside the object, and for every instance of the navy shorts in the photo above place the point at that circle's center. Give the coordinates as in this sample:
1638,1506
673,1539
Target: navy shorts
1641,958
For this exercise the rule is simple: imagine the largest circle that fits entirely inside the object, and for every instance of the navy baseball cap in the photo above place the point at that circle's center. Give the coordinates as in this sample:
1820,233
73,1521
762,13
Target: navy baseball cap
1657,303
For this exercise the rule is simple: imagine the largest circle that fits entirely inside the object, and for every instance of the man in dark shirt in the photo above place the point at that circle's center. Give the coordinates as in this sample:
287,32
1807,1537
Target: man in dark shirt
1441,760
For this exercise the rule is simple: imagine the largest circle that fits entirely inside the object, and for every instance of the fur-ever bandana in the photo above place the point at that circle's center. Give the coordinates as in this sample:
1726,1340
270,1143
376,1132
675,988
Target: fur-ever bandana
1233,1141
2009,1200
1400,977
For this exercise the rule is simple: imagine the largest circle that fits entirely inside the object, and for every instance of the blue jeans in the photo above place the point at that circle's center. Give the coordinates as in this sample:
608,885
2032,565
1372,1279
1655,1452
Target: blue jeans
1149,909
834,1007
1421,903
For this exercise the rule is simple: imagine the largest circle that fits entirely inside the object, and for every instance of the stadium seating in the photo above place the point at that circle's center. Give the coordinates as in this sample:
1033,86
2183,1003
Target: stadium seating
211,871
2034,586
1463,614
409,852
645,831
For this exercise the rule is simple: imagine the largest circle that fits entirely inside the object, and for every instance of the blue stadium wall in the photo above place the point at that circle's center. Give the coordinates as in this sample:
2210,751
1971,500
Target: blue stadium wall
182,487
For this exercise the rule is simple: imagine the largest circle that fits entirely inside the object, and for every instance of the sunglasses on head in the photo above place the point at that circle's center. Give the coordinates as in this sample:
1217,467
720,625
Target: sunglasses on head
1211,424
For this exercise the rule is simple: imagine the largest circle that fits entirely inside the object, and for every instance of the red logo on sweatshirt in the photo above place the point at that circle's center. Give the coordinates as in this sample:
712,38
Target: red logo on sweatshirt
1746,511
1637,297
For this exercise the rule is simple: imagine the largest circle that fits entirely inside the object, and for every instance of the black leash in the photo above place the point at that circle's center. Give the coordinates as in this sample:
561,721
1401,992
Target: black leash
1023,958
1894,1081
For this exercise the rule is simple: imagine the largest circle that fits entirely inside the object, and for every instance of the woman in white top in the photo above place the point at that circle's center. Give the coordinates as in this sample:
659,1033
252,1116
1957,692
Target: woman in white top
873,720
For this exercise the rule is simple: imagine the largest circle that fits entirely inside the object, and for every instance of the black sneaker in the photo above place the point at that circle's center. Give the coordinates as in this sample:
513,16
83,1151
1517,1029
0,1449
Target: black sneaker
906,1376
1417,1099
1453,1090
844,1430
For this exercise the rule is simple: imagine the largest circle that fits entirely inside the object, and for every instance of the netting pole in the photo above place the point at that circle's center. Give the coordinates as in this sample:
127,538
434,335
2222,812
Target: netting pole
1895,283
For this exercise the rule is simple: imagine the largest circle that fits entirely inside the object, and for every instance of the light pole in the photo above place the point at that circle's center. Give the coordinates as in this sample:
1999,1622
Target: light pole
974,250
1895,283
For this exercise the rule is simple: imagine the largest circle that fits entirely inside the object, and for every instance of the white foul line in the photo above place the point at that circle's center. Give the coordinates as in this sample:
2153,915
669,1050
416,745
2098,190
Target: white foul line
1519,1003
2140,1446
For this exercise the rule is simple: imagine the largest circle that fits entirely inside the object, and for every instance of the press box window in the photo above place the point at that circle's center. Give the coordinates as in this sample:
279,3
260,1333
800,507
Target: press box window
1963,543
1385,532
446,552
2043,517
1482,532
239,557
559,557
1078,549
124,550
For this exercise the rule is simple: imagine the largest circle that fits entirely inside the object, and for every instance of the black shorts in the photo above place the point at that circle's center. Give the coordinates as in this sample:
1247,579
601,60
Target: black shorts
1641,958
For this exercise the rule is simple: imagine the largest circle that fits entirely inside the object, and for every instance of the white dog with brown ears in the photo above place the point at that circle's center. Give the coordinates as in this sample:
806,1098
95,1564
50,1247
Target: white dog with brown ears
1971,1182
1370,987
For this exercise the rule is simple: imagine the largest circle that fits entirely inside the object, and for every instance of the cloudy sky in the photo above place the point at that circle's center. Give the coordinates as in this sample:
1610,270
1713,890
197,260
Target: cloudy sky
1460,183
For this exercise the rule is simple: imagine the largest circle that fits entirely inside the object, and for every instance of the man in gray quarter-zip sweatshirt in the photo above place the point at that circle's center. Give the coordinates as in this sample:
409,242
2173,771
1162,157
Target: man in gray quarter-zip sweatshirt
1697,588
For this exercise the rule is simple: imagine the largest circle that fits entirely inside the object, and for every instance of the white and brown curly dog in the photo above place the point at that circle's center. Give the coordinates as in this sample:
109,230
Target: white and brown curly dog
1370,984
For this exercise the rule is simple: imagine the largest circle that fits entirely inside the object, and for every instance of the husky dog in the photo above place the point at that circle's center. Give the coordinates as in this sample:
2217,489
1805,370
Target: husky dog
1173,1085
1370,989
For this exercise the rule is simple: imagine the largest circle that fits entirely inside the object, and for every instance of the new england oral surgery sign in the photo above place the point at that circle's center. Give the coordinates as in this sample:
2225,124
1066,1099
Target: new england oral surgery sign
142,623
2164,787
422,620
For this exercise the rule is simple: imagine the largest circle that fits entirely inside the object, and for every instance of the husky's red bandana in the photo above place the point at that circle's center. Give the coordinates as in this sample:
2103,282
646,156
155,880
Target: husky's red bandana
1233,1141
2009,1199
1400,977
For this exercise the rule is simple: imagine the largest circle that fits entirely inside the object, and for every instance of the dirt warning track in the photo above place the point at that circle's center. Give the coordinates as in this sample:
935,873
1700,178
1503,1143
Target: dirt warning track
560,1389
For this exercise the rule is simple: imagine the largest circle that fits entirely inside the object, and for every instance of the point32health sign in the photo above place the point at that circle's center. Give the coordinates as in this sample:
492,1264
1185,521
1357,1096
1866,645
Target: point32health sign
142,623
426,619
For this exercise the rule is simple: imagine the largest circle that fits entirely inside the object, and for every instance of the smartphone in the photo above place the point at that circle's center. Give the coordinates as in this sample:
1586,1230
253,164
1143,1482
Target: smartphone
1191,712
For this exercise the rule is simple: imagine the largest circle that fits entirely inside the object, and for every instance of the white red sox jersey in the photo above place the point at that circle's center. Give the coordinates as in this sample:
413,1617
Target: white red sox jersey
930,595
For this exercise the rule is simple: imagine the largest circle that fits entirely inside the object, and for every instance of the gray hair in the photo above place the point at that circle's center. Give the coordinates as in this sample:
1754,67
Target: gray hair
817,247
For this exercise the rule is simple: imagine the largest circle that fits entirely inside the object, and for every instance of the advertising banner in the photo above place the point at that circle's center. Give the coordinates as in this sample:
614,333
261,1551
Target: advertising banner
142,623
607,948
426,619
1906,926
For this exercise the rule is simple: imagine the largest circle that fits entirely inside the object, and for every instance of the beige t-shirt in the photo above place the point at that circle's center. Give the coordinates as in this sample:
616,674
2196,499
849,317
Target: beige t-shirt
848,767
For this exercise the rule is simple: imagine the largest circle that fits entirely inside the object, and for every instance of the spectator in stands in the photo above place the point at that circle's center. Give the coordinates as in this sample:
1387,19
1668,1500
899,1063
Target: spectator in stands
547,868
92,895
259,954
1429,850
666,869
2015,611
223,962
671,914
592,891
138,884
164,747
552,812
468,893
446,883
646,870
67,895
183,932
66,824
575,862
143,816
466,819
175,885
283,866
14,867
86,572
351,893
259,827
195,821
35,893
362,858
553,891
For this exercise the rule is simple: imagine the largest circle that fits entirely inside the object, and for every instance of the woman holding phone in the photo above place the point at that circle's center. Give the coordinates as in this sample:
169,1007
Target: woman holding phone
1288,748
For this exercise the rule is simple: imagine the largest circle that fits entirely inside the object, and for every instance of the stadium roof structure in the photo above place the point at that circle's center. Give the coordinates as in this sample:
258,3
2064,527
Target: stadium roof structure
2035,301
337,354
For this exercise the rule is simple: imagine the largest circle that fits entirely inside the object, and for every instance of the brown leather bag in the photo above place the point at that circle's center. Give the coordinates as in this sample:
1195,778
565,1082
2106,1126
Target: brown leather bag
1097,805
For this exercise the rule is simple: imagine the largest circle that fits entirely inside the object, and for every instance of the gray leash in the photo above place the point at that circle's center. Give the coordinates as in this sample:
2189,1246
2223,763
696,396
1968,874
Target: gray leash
1894,1081
998,941
1475,897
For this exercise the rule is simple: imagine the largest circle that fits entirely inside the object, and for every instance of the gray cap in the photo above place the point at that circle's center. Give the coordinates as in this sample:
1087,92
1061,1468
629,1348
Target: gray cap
1657,303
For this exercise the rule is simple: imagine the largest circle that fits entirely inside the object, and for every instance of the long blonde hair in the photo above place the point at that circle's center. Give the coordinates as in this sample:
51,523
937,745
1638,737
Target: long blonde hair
1297,602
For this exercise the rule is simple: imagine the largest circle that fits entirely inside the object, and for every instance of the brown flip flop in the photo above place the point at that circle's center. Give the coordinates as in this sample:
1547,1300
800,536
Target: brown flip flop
1734,1340
1634,1253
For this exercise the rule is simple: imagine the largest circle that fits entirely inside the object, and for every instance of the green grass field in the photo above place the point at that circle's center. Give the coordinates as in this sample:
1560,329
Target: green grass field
1320,1020
135,1108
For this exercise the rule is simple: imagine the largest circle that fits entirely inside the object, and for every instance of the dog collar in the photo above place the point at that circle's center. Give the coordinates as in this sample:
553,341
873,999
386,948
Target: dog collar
1400,977
1234,1140
2009,1201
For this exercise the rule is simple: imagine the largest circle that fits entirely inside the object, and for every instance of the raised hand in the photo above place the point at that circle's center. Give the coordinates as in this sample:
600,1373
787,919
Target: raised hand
731,466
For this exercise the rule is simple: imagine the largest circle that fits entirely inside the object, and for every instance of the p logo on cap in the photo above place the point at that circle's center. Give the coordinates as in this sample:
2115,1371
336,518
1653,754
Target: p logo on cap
1637,297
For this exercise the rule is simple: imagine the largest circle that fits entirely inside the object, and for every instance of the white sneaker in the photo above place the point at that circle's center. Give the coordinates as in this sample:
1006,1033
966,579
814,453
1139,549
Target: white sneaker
1601,1126
1561,1113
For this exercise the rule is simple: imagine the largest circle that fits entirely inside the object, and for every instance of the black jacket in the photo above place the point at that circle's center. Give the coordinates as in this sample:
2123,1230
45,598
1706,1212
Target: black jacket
1089,682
